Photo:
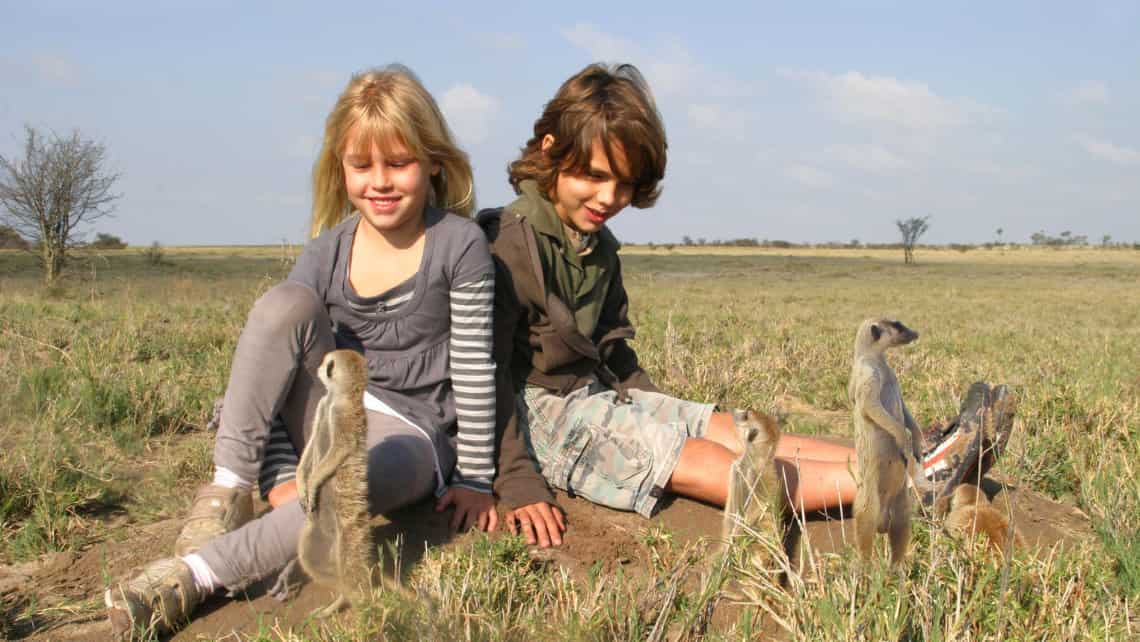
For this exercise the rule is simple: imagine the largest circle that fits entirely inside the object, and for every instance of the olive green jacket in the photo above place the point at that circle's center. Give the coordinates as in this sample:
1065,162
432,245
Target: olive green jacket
538,342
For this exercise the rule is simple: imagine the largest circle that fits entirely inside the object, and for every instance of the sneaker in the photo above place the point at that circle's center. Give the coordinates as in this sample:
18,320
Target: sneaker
216,510
1004,407
157,600
958,455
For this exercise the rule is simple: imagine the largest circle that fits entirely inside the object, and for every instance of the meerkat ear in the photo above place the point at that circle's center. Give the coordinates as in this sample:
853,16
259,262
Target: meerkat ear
876,332
329,368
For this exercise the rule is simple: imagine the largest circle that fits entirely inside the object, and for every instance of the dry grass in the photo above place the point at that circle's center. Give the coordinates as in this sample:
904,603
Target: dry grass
104,375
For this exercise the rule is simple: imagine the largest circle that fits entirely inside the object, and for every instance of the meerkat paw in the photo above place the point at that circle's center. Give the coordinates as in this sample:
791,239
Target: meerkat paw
337,606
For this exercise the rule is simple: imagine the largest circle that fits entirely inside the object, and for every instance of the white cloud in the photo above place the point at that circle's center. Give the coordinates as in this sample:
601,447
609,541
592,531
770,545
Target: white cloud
669,66
1089,93
713,117
603,46
1106,150
809,176
303,147
912,106
504,41
56,68
469,112
868,158
274,199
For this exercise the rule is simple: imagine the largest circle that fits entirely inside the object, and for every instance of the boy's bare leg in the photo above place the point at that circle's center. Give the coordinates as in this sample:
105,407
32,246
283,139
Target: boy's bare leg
703,468
792,446
722,430
283,493
702,471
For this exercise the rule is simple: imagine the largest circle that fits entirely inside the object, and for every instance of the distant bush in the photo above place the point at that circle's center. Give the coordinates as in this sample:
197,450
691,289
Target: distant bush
107,242
154,254
961,247
1066,238
10,239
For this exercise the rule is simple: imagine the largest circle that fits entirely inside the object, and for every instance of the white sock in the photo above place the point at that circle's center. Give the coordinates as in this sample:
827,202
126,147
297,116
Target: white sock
204,577
229,479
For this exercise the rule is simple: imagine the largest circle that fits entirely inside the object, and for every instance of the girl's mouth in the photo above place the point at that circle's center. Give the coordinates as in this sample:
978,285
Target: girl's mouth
384,205
595,216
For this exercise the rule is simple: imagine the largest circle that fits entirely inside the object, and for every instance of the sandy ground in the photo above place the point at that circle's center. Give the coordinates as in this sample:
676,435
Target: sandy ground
64,586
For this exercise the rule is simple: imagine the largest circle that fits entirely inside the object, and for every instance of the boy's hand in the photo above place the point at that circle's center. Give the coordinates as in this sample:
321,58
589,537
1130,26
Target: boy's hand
540,523
472,509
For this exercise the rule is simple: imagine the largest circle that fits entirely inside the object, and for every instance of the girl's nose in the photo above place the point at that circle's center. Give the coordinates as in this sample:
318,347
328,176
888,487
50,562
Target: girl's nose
381,177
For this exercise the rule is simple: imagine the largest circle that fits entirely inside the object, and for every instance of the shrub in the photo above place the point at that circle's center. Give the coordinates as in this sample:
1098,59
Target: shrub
10,239
154,254
107,242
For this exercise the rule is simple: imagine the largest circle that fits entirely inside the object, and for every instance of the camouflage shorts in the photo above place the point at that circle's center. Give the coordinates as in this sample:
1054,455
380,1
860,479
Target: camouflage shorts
616,454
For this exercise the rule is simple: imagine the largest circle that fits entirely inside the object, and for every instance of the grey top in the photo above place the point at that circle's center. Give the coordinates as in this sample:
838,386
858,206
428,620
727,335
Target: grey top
420,333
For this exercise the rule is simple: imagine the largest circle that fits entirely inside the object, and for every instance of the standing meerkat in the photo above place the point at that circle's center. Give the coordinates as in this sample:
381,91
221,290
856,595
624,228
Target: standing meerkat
755,496
336,548
886,439
971,513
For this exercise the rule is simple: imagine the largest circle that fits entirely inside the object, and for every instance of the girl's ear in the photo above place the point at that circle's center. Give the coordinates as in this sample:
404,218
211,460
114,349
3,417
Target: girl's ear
547,142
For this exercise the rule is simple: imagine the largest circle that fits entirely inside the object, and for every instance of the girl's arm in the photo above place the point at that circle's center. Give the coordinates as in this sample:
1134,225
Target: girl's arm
473,381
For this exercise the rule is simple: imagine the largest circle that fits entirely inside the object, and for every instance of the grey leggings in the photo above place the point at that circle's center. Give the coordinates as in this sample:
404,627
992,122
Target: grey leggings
274,373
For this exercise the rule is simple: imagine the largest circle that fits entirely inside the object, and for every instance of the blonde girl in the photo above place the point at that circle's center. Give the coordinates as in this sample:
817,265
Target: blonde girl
396,271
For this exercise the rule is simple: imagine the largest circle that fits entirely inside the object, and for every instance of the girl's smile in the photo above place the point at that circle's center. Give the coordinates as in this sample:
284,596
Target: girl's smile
388,187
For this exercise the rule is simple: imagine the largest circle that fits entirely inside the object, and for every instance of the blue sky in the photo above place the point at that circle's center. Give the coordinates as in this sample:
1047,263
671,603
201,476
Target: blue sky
821,122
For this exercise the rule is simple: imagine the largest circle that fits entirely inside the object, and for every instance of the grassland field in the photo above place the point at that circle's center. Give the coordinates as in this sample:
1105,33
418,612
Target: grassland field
109,378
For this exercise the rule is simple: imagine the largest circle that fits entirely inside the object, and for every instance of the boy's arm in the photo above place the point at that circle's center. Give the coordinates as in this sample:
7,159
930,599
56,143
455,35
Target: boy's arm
613,331
518,482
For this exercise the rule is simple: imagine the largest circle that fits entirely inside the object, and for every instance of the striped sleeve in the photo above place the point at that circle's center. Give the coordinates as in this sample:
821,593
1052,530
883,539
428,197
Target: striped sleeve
473,381
279,463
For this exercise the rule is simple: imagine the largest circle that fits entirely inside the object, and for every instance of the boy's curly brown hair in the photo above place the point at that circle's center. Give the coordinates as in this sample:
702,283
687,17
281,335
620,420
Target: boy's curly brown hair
610,104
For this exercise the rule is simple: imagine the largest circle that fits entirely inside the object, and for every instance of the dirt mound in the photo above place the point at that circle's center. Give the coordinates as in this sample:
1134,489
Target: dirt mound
66,589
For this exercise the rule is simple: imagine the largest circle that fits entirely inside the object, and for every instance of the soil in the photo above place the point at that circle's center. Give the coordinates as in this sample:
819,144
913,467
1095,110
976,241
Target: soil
64,590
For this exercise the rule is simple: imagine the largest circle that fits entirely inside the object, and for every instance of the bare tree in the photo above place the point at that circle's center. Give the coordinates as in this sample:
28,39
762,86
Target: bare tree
59,184
911,229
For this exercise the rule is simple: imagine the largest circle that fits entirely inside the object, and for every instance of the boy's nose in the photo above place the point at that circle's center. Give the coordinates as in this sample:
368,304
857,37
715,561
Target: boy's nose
606,193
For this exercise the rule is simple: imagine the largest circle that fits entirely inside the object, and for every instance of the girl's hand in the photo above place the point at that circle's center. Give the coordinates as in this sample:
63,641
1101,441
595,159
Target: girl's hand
472,509
540,523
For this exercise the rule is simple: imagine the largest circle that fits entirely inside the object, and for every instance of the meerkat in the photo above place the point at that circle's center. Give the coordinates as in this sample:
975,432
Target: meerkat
755,497
335,548
887,439
970,513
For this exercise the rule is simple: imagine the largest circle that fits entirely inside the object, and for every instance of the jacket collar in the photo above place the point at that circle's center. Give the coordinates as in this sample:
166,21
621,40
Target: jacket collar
539,212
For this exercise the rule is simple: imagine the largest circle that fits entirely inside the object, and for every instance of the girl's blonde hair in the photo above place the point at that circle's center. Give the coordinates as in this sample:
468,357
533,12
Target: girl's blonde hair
388,106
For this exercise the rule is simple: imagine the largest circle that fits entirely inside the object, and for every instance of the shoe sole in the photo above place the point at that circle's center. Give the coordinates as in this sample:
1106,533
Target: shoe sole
1004,404
977,400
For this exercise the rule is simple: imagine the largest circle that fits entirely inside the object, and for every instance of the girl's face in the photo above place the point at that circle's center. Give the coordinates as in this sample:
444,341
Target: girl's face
586,201
389,190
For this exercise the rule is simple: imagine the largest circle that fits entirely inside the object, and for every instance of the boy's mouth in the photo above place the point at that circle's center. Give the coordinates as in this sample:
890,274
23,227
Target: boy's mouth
596,217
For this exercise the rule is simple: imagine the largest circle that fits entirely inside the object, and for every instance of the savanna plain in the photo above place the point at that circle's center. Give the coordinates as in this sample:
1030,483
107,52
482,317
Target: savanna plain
109,381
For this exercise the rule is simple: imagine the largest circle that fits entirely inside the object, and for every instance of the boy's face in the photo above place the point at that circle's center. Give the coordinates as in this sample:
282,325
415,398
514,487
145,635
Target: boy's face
586,201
